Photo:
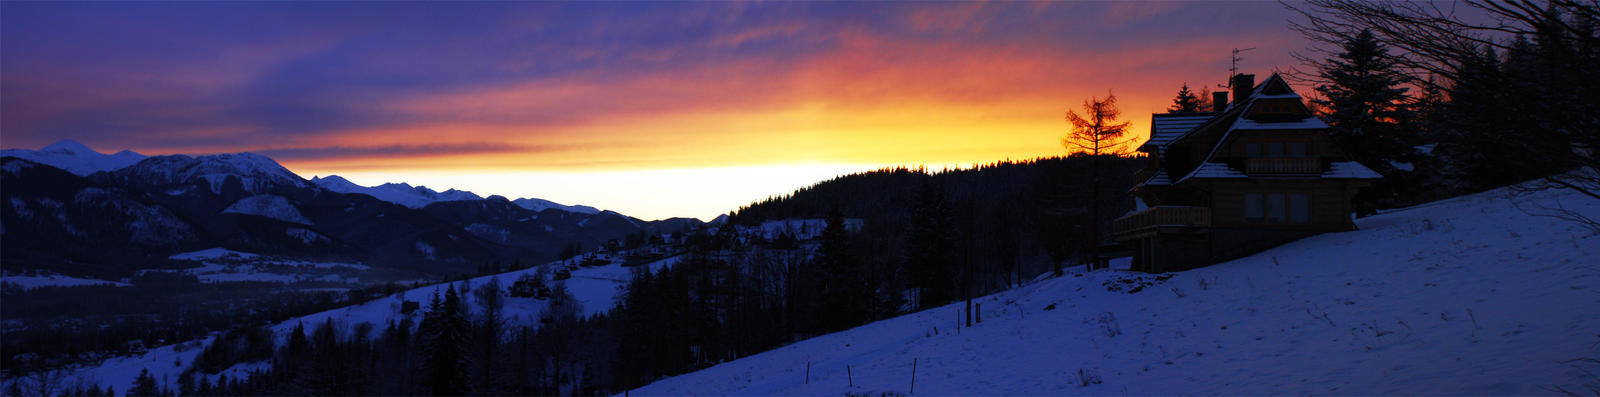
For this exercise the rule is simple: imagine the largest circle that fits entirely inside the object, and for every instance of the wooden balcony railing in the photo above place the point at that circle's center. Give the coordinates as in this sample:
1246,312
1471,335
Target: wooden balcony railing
1162,216
1282,165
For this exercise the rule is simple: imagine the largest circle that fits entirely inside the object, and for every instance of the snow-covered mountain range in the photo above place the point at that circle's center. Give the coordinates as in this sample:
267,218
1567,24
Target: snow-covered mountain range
157,206
75,157
420,196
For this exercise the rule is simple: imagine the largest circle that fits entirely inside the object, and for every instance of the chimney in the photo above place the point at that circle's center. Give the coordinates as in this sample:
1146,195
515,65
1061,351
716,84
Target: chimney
1219,101
1243,84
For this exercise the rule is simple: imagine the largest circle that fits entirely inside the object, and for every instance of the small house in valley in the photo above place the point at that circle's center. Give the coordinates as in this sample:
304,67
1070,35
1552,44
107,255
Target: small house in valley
1253,173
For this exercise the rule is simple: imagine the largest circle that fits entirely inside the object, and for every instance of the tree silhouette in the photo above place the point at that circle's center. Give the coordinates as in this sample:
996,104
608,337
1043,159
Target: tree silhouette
1365,102
1185,102
1097,133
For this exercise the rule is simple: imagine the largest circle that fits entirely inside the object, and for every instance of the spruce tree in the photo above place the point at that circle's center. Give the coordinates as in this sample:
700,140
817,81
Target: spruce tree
1366,104
930,251
844,292
1185,102
447,338
144,385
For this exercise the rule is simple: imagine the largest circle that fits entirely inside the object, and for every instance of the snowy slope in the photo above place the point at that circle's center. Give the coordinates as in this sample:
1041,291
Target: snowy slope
268,205
595,288
76,158
1464,296
255,173
27,282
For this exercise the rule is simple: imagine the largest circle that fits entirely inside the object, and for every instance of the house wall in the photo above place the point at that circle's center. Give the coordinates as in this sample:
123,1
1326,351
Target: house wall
1317,143
1330,203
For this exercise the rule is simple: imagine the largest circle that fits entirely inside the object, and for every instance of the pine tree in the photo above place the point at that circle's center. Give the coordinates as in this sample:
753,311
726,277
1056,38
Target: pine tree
1365,103
1185,102
930,251
144,385
446,340
844,293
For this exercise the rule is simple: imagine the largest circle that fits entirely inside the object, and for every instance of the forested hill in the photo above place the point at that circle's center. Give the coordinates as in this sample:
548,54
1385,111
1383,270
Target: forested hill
1042,204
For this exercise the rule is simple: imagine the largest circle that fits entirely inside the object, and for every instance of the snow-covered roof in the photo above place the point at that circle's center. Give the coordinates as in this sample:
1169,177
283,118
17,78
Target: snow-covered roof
1159,179
1350,170
1308,123
1210,170
1164,128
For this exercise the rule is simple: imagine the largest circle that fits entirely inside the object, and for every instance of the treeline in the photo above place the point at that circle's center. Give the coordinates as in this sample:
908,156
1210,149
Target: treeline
1000,219
1443,106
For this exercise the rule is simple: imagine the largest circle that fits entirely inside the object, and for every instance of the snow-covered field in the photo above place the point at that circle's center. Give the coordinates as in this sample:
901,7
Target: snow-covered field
221,265
596,289
1464,296
52,280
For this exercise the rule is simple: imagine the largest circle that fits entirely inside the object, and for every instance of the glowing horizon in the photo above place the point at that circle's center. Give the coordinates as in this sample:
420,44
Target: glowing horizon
596,99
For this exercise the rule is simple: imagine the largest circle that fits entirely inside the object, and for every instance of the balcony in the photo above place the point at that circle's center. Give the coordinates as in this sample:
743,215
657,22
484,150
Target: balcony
1159,217
1282,165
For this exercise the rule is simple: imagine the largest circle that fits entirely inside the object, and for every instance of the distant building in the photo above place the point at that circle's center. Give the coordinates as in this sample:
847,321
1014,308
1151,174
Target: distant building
1254,173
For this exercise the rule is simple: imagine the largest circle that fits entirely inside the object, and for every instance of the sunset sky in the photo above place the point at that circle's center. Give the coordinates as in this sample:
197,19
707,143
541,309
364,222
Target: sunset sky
653,109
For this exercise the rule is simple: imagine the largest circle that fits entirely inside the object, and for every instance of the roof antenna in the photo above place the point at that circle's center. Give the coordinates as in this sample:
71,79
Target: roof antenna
1234,69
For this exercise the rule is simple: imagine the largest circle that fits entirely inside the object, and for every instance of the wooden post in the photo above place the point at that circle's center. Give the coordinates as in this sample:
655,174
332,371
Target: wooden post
808,372
849,376
913,376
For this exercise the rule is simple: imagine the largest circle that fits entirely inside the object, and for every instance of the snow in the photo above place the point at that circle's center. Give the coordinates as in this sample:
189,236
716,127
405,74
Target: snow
52,280
76,158
268,205
398,193
800,229
425,249
596,289
1463,296
1166,127
1403,166
1309,123
256,173
1350,170
221,265
537,204
1214,171
213,253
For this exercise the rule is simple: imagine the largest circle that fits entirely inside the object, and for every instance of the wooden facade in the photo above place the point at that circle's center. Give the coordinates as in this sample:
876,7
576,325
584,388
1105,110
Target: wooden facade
1257,173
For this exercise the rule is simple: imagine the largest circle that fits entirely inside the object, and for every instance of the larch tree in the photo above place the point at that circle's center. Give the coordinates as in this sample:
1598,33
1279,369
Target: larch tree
1097,133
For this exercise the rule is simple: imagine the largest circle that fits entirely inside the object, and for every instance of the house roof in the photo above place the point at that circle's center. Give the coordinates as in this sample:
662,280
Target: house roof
1165,127
1350,170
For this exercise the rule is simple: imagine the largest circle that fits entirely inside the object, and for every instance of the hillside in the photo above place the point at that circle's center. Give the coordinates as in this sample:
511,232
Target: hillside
1464,296
594,288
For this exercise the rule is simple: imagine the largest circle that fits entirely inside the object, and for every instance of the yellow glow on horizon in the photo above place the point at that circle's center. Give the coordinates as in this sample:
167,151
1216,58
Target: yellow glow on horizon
702,193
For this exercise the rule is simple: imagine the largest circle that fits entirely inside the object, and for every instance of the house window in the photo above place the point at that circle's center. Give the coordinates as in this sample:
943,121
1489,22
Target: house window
1272,149
1277,207
1296,149
1275,149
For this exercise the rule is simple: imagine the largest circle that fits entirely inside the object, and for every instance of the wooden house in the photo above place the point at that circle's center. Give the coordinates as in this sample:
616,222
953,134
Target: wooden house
1254,173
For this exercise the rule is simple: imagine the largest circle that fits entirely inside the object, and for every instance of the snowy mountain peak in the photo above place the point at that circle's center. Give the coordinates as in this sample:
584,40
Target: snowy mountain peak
536,204
76,158
68,146
256,173
399,193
